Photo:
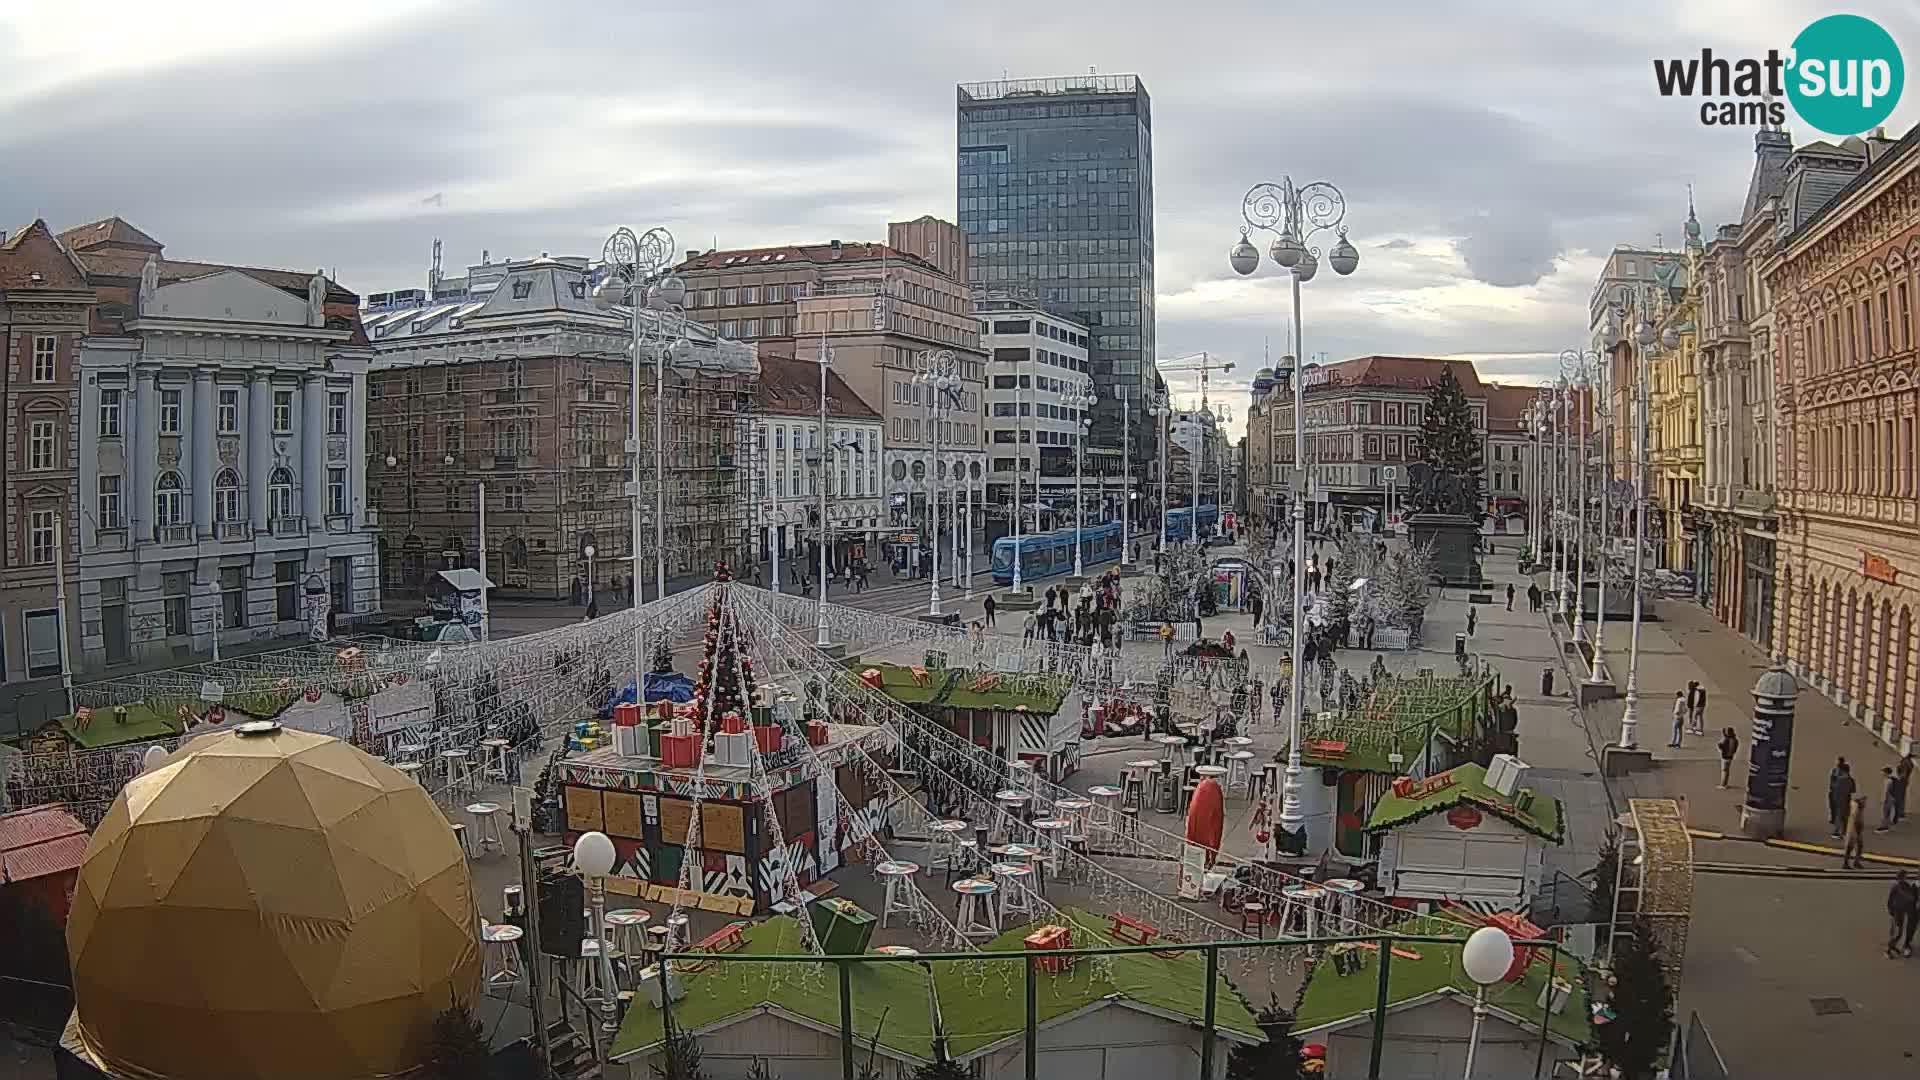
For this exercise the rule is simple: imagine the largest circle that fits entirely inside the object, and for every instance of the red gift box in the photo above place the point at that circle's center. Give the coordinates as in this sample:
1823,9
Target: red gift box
626,714
816,733
732,724
680,751
871,677
767,738
1051,937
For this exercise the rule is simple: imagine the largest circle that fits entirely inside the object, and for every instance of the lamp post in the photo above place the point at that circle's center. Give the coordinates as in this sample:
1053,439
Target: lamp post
1158,405
593,856
826,441
1081,401
636,270
1222,415
1197,465
1486,957
1582,367
1603,526
589,554
972,470
1296,214
939,374
1126,485
1644,336
1562,494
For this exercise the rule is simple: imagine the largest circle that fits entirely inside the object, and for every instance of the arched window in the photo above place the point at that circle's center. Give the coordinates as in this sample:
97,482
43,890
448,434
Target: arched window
167,504
226,496
280,494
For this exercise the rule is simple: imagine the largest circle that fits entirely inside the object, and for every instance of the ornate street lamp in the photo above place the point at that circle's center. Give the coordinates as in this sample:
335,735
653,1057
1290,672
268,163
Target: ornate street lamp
940,374
1082,401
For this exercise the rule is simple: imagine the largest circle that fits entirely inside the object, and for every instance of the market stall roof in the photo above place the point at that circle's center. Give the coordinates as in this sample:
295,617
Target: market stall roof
959,688
39,841
1328,744
466,579
1425,971
144,723
1467,785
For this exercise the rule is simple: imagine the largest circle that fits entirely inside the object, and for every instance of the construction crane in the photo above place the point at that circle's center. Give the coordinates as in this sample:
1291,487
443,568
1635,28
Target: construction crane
1205,364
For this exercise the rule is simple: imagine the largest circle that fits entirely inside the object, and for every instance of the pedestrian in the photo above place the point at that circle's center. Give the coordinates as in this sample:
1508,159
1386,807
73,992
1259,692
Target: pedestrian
1903,913
1889,798
1729,743
593,607
1533,597
1473,619
1029,626
1839,794
1679,717
1257,605
1699,703
1903,772
1853,850
989,608
1509,596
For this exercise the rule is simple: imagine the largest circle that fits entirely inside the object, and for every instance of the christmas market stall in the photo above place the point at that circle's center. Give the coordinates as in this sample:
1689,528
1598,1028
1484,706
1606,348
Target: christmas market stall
1017,716
1474,835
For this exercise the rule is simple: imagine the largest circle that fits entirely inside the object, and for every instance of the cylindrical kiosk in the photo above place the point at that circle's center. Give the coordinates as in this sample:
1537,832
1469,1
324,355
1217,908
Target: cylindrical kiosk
1763,814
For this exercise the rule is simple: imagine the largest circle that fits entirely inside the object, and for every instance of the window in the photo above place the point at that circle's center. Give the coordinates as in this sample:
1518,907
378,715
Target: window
108,504
40,537
113,620
513,497
286,591
233,597
749,295
337,492
229,410
729,297
45,350
454,438
750,328
109,414
776,294
776,327
226,496
174,587
337,413
169,412
283,411
40,445
280,494
729,328
167,510
43,643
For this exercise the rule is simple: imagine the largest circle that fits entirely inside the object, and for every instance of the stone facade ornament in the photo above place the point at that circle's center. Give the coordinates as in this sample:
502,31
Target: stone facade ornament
316,300
149,283
336,450
229,451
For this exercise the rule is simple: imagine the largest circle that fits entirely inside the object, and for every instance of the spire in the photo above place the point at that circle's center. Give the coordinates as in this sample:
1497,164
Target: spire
1693,221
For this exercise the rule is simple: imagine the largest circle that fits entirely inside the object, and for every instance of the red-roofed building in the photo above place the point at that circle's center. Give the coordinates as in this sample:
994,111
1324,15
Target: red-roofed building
44,304
40,854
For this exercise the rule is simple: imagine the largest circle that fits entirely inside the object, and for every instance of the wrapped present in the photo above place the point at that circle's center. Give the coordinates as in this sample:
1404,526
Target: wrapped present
732,724
655,733
768,738
762,714
680,751
1051,937
626,714
733,748
872,678
629,740
681,726
816,733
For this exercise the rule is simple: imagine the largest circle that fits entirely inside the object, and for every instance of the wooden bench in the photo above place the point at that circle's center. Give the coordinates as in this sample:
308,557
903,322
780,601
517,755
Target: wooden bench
725,940
1131,931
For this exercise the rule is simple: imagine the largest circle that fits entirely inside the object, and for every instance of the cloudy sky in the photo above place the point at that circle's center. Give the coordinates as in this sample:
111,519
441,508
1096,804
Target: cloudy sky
1491,152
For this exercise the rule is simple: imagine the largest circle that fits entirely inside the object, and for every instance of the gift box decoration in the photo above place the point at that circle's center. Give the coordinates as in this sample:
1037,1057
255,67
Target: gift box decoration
762,714
1051,937
680,751
682,726
872,678
626,714
733,748
732,724
842,927
655,733
816,733
629,740
768,738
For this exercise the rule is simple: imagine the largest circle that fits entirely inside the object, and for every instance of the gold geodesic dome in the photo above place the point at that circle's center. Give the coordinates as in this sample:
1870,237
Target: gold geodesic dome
269,903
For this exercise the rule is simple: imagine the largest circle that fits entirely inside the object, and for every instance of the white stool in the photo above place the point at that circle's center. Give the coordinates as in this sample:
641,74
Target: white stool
899,877
1053,833
1301,908
486,830
1343,904
591,986
946,841
496,767
1076,811
455,763
1240,771
677,931
1016,890
460,835
627,929
978,916
503,953
1014,804
1106,804
413,769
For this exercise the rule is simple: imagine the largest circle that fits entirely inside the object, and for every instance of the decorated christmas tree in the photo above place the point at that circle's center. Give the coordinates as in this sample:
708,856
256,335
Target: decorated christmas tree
724,669
1451,449
1634,1040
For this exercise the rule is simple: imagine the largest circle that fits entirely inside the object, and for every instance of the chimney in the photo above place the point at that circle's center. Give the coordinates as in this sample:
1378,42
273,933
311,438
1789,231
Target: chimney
836,249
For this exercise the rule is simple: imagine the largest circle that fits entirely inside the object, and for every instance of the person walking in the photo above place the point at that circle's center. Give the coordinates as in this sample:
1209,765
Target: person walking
1697,704
1533,597
1258,606
1855,847
1903,772
1903,914
1509,596
1729,744
1679,717
1839,794
1889,798
1473,619
1029,626
989,608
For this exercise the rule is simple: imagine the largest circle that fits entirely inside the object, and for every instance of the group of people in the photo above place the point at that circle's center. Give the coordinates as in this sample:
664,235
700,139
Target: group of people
1086,617
1847,806
1689,712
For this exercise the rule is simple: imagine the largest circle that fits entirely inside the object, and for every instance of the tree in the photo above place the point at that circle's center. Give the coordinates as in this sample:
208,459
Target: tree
1276,1059
723,667
1635,1040
679,1057
1605,873
1452,451
943,1069
459,1048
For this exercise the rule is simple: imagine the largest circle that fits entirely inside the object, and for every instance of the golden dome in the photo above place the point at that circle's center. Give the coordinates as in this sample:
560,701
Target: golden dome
269,903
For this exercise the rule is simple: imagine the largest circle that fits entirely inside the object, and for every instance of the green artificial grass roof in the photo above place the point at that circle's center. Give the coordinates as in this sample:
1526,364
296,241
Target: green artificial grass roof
1364,754
892,999
144,723
952,688
1544,818
1330,997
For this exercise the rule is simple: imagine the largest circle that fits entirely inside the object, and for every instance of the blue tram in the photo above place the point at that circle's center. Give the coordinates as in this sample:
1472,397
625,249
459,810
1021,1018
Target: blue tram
1180,521
1046,554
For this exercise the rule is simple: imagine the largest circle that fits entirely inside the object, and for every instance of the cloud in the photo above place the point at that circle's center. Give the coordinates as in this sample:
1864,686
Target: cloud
1507,249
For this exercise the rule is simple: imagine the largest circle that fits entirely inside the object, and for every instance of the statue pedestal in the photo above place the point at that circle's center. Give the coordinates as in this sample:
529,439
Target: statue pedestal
1455,539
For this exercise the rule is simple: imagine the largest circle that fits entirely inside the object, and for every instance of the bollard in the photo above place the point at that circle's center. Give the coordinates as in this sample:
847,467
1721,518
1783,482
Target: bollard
1763,813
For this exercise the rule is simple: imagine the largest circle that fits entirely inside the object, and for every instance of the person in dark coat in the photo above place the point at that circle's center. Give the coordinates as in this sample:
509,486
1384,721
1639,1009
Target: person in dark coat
1840,787
988,607
1509,596
1903,913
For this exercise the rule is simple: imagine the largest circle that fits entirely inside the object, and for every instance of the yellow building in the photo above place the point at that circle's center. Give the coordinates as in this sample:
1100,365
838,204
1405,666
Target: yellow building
1676,445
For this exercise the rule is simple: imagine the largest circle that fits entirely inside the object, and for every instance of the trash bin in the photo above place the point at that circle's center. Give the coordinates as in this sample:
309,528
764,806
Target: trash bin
1460,645
1546,682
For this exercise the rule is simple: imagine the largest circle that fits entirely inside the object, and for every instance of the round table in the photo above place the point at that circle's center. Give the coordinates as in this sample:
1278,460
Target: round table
501,933
1012,797
1144,764
1101,791
897,950
975,895
1214,771
895,867
1051,824
895,871
1014,901
1075,806
503,955
1014,851
1346,897
1239,740
626,927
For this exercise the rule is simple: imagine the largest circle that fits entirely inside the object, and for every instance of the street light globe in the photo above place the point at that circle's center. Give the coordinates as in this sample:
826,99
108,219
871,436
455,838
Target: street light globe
1344,258
591,551
1286,249
593,856
1670,337
1244,257
446,459
1309,265
673,291
392,461
1487,956
1643,333
604,294
654,302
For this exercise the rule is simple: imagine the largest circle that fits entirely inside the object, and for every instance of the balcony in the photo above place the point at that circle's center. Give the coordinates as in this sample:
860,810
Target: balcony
289,526
173,534
232,530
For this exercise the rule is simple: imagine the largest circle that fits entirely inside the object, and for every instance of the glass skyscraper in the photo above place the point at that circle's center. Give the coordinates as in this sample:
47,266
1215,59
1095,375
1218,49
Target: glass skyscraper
1056,201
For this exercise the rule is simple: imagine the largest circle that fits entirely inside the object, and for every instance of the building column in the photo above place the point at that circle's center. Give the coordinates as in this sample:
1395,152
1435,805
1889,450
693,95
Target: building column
357,453
143,450
203,425
313,450
259,446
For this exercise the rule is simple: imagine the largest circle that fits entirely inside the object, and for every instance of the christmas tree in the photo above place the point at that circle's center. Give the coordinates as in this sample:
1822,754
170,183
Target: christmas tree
1276,1059
726,675
1635,1040
1451,448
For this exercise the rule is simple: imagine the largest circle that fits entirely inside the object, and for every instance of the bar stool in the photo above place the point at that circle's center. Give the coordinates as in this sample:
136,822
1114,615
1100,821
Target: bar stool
1015,804
503,953
486,830
1301,907
659,940
1016,890
627,929
497,766
946,842
1240,771
1074,810
978,916
1343,904
413,769
460,836
1130,821
1255,912
1106,804
591,986
1022,774
677,930
899,878
455,764
966,857
410,751
1051,831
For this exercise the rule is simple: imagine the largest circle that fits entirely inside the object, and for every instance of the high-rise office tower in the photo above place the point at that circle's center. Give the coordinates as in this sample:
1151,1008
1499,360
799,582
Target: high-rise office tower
1056,202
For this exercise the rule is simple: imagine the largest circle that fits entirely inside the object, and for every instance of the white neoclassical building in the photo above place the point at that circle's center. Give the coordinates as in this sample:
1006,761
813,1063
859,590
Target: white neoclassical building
222,466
